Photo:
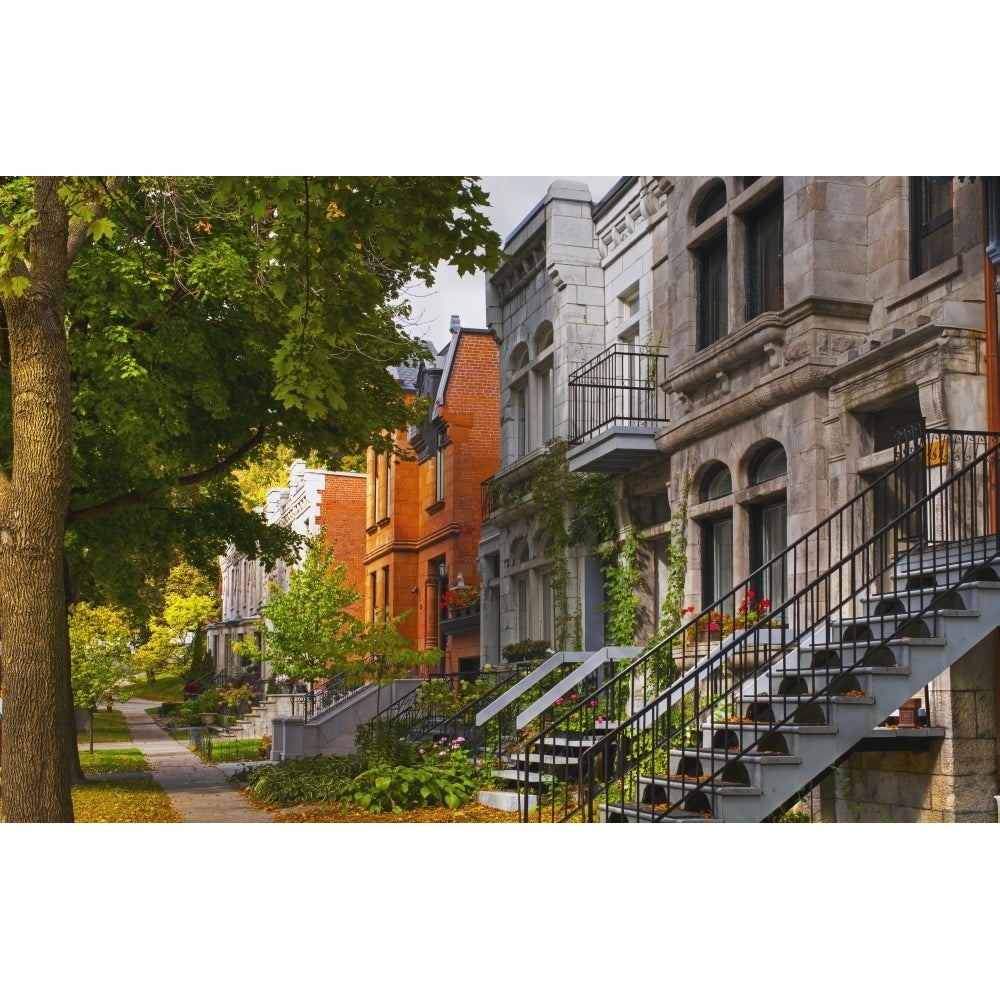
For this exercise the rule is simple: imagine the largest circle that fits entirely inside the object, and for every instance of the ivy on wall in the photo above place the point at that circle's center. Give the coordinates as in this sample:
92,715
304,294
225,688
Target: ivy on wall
577,508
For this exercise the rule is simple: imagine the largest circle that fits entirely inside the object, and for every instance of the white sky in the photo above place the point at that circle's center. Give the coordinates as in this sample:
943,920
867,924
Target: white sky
511,199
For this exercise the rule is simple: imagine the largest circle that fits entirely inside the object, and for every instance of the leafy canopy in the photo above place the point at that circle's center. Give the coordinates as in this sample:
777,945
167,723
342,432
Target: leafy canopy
100,653
209,318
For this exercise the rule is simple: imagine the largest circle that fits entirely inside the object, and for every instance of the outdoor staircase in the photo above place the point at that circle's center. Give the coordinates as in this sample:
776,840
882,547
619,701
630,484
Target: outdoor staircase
734,717
530,769
866,666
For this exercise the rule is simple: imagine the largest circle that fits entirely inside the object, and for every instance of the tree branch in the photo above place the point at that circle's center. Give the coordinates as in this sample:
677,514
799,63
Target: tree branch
78,233
136,497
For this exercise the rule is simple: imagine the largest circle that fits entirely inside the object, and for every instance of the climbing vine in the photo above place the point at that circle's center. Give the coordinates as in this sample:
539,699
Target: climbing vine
577,508
661,668
623,580
571,508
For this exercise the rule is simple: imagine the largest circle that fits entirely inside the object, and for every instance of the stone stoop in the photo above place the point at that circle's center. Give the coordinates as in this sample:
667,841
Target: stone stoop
749,787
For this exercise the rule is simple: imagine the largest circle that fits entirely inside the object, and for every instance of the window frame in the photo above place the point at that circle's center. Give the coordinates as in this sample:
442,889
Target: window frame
712,266
765,291
927,249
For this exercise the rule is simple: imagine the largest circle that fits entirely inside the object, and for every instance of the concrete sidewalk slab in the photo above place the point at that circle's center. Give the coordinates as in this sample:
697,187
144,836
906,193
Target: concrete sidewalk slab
199,792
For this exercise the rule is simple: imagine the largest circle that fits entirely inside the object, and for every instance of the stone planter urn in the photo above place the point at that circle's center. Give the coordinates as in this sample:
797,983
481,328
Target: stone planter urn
207,718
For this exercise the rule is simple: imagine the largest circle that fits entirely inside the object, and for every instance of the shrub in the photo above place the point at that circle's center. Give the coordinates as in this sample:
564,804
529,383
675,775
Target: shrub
446,776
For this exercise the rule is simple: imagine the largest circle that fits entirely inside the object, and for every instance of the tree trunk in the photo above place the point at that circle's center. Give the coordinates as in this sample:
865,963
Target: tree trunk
38,737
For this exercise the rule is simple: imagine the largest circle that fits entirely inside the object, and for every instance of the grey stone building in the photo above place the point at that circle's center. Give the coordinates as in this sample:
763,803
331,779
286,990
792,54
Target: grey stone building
788,324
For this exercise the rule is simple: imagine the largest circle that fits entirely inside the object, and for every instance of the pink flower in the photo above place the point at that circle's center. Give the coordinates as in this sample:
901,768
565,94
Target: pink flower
592,703
572,697
713,626
559,701
600,718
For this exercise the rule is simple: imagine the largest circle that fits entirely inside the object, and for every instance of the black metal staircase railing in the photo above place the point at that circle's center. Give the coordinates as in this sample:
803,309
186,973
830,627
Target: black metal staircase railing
620,387
421,723
935,506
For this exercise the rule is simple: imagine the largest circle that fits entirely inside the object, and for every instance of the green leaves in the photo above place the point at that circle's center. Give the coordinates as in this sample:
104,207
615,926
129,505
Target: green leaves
310,628
101,658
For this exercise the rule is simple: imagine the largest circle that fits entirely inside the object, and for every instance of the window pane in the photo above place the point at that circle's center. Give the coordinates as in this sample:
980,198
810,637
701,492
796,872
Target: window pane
545,392
765,285
713,292
521,587
774,521
718,484
521,417
930,223
722,558
771,464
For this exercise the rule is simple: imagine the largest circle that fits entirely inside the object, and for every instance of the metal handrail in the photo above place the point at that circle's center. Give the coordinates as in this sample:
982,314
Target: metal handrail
926,504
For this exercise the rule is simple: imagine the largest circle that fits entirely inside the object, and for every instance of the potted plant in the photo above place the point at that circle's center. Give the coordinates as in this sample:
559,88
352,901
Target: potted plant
526,649
460,600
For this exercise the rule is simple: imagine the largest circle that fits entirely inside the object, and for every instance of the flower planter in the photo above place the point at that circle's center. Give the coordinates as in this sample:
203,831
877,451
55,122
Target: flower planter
207,718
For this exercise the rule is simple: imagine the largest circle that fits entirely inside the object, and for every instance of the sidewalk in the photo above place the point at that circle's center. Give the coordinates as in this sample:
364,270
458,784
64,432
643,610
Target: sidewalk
199,792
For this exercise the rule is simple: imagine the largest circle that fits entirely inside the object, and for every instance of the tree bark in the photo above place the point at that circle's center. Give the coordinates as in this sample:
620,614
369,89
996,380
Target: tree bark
38,738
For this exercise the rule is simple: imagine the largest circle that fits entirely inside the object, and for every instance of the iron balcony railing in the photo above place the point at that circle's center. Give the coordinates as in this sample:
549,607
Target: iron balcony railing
618,388
494,495
940,497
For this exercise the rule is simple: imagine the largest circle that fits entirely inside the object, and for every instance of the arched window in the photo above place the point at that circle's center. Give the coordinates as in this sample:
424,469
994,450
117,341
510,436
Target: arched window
519,399
769,464
713,199
717,483
717,535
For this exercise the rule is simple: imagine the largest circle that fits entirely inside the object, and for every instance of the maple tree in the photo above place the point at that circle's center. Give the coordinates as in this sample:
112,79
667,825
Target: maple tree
154,334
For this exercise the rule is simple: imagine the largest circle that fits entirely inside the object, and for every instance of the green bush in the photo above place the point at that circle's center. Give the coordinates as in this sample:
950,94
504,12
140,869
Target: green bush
315,779
446,776
441,774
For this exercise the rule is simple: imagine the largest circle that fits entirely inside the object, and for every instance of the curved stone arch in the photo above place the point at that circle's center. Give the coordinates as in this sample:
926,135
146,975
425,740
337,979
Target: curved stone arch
544,337
518,358
520,551
708,482
763,453
703,196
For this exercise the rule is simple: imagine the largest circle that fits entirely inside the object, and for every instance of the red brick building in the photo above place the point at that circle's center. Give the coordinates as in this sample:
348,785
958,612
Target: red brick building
424,515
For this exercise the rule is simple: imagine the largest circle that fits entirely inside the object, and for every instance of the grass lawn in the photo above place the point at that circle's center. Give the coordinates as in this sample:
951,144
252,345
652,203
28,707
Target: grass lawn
112,761
109,727
168,687
118,800
224,751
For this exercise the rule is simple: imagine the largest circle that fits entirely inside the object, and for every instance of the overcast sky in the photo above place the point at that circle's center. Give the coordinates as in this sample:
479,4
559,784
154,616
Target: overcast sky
511,199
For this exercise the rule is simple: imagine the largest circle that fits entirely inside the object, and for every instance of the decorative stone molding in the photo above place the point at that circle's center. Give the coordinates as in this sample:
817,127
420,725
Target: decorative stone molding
711,420
518,272
620,229
728,355
932,401
654,192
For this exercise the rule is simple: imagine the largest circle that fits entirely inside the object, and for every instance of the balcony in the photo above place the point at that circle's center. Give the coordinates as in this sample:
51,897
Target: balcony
616,407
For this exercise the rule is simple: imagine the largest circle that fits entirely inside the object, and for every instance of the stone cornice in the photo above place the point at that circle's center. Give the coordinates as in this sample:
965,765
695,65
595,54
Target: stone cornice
809,375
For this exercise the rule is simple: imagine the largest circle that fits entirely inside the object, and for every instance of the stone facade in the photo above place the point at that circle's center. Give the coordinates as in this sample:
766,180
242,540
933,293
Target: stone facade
578,281
798,320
